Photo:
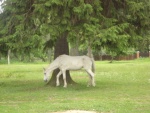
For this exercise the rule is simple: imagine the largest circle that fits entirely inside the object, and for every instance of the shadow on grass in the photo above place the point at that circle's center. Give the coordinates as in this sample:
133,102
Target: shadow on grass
39,85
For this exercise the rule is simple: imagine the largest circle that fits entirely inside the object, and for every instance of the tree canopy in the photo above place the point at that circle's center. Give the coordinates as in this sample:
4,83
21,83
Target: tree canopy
115,25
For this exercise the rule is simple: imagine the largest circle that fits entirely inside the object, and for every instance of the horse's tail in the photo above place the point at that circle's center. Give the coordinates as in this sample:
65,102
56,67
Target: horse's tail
93,65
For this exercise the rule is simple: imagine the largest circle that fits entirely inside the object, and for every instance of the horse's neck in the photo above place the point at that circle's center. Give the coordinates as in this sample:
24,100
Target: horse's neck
54,65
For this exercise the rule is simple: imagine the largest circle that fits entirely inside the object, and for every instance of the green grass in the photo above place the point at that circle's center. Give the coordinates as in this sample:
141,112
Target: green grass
121,87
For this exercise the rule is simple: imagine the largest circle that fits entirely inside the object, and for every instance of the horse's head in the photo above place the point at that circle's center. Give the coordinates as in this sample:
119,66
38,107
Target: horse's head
45,75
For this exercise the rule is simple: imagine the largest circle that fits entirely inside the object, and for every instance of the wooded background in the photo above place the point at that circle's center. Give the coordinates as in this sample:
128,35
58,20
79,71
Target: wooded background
43,28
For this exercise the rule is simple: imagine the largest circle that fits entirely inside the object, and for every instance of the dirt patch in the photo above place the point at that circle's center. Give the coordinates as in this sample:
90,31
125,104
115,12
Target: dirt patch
76,111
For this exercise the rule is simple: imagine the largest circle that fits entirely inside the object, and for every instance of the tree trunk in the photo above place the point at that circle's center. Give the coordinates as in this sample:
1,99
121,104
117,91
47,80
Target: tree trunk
0,56
89,53
61,47
8,56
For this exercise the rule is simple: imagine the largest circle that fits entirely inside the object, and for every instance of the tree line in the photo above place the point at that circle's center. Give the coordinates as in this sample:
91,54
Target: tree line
30,27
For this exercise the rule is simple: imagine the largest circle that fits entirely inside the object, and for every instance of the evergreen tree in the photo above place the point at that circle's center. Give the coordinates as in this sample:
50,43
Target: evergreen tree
60,18
18,30
125,25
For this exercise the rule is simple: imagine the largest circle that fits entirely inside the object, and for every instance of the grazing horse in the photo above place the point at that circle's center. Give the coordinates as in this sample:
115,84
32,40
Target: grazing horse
66,62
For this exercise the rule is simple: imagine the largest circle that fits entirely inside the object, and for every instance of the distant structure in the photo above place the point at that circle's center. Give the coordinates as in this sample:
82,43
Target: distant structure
133,56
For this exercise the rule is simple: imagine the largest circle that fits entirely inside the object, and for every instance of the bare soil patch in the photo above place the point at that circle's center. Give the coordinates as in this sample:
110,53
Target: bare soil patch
76,111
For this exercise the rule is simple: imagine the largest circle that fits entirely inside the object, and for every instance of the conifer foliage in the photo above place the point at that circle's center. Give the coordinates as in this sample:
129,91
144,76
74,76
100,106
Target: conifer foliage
112,24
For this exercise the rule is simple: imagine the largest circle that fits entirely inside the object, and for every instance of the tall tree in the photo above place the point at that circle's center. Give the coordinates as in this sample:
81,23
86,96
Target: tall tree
60,18
124,25
18,29
61,47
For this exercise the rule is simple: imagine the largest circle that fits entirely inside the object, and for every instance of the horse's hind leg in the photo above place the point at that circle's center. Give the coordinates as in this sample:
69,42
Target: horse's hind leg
90,81
57,78
91,74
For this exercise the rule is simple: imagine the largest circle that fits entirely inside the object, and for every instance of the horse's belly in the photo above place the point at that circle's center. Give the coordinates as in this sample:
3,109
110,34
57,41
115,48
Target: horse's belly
73,67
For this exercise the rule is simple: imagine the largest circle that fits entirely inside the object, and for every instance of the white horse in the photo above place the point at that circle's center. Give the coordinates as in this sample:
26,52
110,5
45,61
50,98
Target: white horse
65,62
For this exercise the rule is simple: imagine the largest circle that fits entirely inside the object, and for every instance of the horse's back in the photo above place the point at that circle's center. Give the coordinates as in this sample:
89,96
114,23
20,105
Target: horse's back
73,58
73,62
70,59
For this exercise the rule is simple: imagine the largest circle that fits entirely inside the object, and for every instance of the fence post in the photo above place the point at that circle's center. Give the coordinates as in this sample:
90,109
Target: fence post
137,54
149,54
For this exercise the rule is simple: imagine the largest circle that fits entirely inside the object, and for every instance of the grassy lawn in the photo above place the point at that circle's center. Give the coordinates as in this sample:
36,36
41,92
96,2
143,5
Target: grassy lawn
121,87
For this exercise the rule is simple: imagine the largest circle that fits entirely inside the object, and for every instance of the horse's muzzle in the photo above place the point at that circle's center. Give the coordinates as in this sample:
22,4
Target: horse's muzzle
45,80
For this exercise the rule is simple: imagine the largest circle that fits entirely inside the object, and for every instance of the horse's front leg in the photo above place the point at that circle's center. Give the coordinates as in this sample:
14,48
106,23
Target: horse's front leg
64,78
90,81
91,74
57,78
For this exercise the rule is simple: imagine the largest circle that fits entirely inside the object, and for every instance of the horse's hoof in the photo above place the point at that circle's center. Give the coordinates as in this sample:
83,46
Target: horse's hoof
94,85
88,85
57,85
65,86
